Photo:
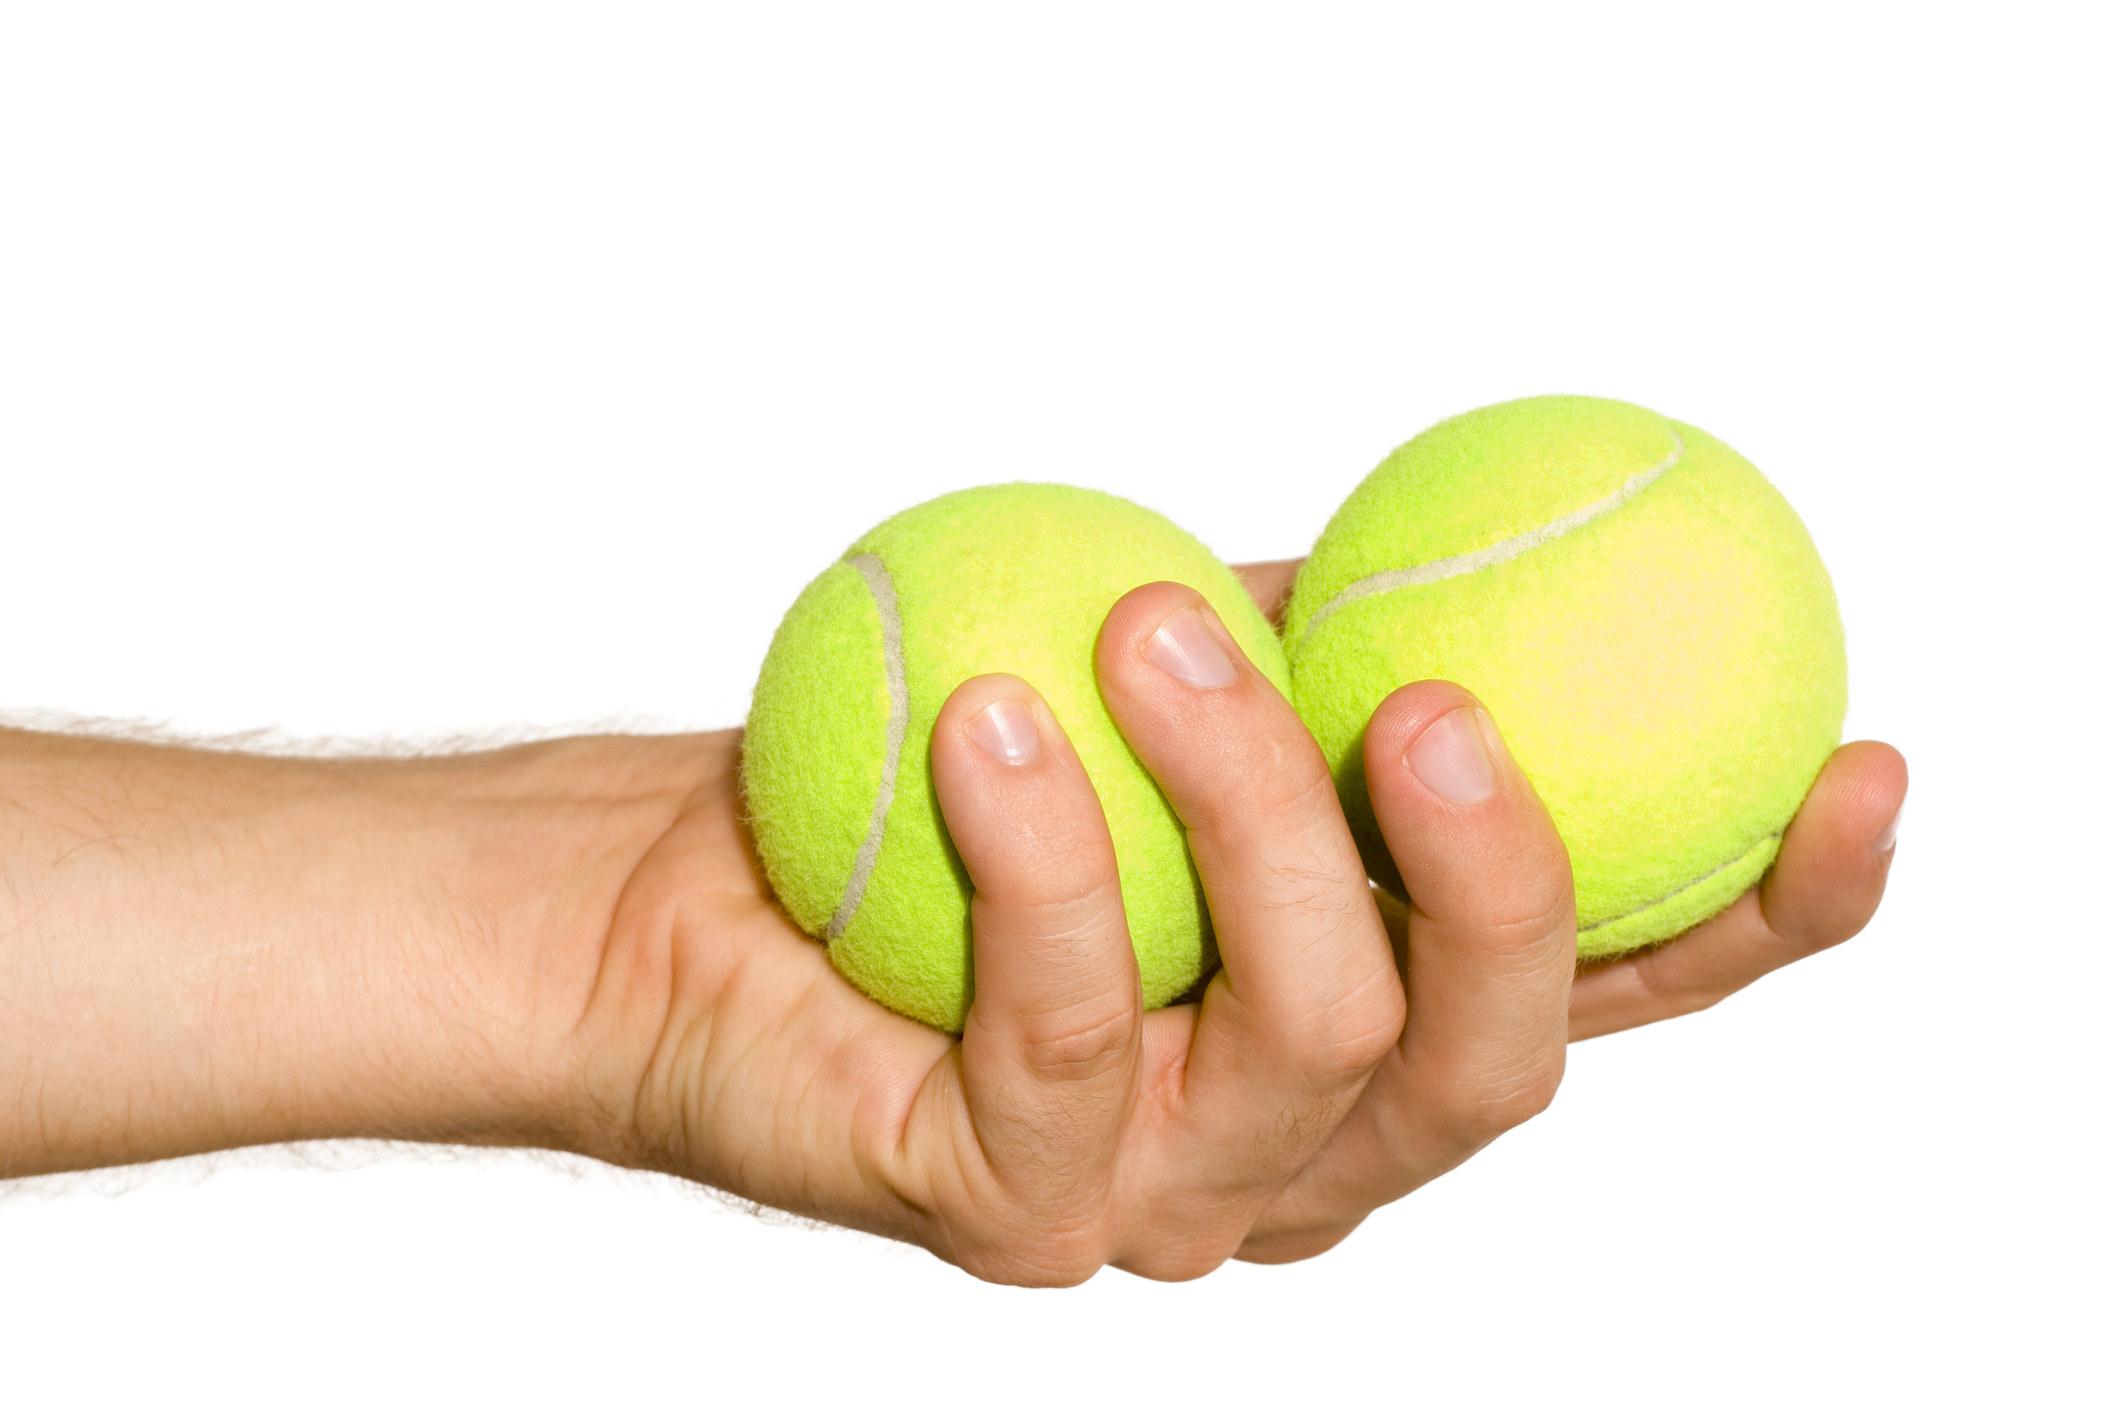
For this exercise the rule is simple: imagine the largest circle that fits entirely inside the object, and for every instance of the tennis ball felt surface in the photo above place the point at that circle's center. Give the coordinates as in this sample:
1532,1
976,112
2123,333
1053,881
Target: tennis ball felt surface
1640,611
1015,578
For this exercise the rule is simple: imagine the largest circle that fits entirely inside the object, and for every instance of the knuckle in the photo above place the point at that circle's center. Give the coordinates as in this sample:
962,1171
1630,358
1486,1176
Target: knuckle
1285,775
1292,1246
1271,779
1049,1259
1486,1111
1061,899
1273,804
1310,882
1370,1021
1546,908
1671,987
1339,1029
1182,1262
1192,1234
1353,1035
1077,1041
1538,1089
1675,1001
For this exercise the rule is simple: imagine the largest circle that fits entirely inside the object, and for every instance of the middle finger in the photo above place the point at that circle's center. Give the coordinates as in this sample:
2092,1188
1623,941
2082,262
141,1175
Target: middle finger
1308,999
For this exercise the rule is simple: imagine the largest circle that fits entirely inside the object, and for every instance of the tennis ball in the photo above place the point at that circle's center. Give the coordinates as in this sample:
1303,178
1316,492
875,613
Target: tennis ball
1643,615
1015,578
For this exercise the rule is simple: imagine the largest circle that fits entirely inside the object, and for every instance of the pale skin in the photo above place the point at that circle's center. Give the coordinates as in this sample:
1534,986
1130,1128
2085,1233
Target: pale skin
569,945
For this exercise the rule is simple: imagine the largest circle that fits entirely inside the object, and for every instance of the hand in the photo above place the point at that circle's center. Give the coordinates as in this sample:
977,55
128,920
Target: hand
1068,1129
1344,1055
1823,890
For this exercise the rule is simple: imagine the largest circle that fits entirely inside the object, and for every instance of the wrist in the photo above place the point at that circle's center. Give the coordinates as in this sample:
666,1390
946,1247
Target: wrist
648,1007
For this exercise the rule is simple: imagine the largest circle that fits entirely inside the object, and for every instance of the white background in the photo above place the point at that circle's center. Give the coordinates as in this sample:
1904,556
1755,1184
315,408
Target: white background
423,371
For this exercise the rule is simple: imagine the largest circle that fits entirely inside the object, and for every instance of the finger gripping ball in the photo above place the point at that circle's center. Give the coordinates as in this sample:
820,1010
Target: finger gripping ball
1007,578
1643,615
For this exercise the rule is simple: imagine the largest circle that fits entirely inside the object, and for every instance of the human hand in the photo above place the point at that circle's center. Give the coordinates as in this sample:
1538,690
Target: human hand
1333,1063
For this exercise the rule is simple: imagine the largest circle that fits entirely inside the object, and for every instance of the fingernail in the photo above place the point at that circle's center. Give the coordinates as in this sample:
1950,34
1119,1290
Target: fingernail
1006,730
1885,843
1185,649
1452,758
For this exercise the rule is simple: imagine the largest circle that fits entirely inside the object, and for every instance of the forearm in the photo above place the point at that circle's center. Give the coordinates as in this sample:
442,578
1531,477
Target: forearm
201,950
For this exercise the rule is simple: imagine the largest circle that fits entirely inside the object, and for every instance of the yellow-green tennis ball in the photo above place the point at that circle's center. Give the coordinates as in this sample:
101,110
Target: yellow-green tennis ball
1643,615
1015,578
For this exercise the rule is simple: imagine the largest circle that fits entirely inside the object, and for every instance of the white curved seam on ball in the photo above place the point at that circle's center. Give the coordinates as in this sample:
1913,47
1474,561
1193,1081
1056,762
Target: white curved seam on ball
1503,551
887,598
1727,865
